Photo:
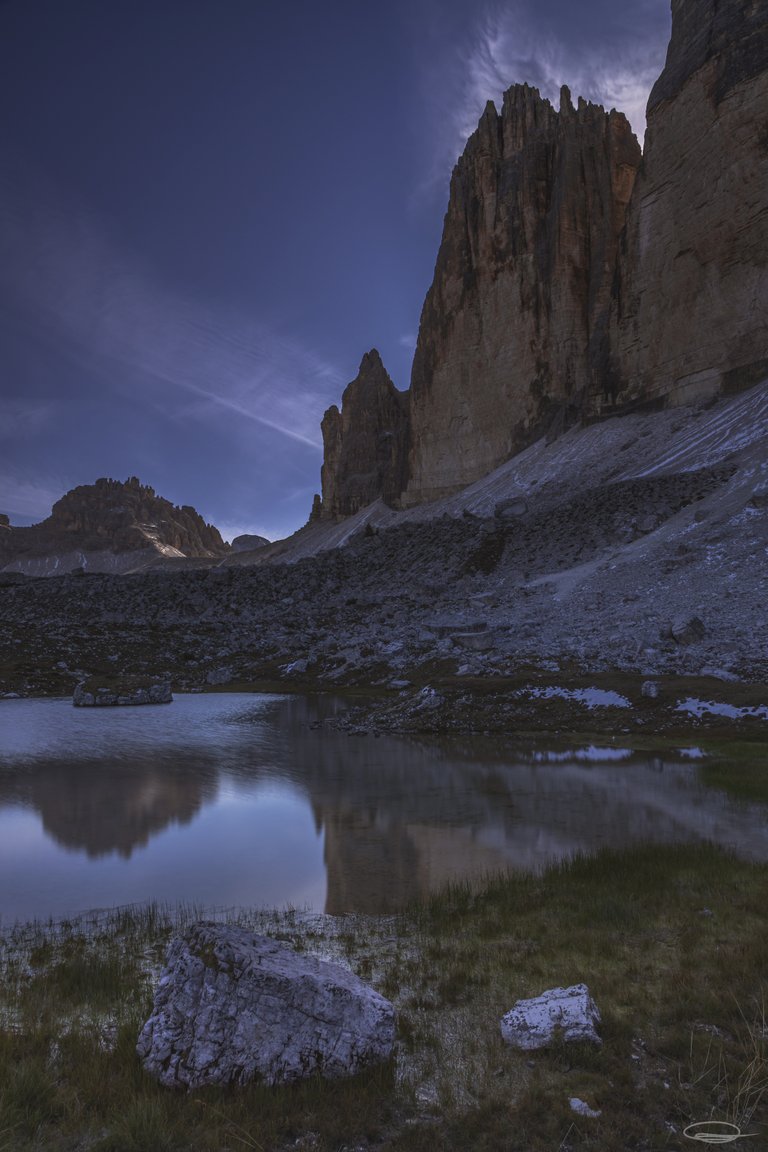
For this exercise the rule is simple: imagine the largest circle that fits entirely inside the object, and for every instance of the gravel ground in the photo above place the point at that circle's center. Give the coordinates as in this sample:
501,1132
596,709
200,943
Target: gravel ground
591,571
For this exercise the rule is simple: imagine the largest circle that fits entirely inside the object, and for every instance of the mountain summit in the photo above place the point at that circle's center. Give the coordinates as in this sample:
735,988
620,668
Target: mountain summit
109,526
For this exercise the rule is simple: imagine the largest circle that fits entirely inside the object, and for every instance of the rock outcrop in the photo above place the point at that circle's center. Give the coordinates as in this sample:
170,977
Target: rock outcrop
232,1007
94,524
89,695
513,335
248,542
366,444
691,314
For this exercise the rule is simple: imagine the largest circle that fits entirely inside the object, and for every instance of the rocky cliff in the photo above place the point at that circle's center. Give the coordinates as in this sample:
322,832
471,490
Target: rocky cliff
365,446
691,310
574,280
513,332
109,519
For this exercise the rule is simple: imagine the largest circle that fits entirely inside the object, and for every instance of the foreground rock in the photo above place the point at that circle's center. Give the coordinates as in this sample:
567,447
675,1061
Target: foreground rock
232,1007
569,1012
87,695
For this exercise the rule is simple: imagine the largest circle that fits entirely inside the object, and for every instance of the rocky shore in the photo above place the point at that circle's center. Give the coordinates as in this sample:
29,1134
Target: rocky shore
554,576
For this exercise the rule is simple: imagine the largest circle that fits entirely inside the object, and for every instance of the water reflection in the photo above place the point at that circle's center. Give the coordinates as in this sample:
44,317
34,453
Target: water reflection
240,799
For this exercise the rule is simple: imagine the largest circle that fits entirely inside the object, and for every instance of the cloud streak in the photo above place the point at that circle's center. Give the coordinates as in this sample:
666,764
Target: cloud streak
613,63
25,499
132,333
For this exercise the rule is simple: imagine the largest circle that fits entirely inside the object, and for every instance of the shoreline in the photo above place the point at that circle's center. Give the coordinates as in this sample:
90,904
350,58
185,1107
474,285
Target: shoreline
669,939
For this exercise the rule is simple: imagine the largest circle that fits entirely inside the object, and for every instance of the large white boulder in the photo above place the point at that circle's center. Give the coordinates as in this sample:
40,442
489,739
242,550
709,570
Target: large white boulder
232,1006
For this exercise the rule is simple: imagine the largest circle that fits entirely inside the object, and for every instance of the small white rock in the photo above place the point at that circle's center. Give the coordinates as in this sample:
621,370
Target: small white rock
533,1023
582,1107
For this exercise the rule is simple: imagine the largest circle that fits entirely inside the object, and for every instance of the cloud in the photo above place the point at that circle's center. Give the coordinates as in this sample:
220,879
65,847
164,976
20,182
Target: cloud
120,325
22,498
20,419
617,71
611,55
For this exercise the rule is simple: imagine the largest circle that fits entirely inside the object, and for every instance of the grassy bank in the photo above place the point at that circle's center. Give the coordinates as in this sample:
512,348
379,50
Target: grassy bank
671,941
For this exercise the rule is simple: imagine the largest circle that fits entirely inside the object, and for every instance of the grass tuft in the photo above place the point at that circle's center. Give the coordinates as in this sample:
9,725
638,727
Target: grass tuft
671,941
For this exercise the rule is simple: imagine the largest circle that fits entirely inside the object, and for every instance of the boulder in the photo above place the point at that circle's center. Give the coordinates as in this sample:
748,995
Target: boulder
232,1007
455,626
688,629
511,509
475,641
568,1012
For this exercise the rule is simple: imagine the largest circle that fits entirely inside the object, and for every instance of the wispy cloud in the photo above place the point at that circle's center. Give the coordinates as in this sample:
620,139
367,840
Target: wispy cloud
509,48
23,498
20,419
514,43
112,315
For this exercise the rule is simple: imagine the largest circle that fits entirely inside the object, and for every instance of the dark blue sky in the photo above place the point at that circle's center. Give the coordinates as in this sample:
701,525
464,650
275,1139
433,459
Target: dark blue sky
210,209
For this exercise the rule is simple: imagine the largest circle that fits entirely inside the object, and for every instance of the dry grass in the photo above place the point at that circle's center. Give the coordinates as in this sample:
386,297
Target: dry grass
672,942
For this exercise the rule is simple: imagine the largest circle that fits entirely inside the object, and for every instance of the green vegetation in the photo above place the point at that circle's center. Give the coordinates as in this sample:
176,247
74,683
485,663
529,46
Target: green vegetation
739,768
671,941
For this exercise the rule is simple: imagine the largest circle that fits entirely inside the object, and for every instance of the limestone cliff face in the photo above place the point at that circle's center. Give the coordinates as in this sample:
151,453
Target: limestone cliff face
574,280
366,444
691,314
513,335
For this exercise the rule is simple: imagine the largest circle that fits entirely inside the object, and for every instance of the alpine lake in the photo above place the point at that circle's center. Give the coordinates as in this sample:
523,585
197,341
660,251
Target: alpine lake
456,876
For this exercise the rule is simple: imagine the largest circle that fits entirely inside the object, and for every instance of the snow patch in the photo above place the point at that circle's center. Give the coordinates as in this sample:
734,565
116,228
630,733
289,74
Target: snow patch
589,697
697,708
590,755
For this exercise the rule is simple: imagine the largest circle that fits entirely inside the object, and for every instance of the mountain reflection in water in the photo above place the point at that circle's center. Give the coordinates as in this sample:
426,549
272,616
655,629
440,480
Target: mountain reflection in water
235,799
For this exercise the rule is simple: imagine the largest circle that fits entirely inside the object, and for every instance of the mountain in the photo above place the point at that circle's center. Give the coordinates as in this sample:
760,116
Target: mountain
109,526
365,446
578,277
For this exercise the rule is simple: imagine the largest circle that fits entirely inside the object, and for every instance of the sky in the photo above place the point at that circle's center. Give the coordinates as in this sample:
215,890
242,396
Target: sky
211,209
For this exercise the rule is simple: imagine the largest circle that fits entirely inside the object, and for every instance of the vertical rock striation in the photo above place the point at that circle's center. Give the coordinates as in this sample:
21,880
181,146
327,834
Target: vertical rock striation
365,446
513,335
691,312
575,281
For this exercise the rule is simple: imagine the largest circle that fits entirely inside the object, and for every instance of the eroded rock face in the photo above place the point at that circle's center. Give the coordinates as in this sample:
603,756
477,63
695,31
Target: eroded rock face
574,282
110,517
690,313
366,444
513,335
232,1007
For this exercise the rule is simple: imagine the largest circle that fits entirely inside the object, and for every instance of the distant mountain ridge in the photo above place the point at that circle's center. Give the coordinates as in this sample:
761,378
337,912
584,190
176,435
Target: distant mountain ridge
109,526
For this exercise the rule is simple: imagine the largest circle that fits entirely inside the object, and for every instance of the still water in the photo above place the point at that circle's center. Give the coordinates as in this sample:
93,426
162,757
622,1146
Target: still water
239,800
